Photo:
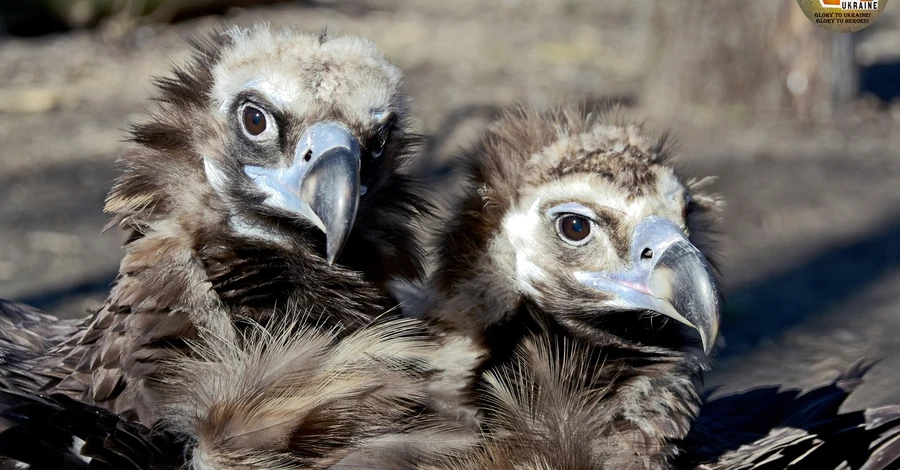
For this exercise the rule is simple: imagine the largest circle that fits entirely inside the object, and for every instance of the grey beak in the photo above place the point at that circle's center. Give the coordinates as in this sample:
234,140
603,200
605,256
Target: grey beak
669,275
331,188
321,185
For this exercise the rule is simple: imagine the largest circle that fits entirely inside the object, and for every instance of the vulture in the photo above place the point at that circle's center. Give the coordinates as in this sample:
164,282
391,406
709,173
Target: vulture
574,306
576,272
268,207
763,429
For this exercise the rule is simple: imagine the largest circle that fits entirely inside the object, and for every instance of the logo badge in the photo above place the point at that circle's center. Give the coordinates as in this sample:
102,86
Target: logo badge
842,16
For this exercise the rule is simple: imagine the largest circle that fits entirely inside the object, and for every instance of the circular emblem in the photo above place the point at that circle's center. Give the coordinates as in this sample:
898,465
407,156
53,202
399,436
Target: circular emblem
842,16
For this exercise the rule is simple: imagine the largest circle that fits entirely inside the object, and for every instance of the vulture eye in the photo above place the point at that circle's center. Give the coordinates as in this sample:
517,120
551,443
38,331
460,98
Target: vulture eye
254,121
574,229
380,143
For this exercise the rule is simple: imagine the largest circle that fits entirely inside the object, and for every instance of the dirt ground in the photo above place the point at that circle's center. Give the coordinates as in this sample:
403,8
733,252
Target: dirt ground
810,236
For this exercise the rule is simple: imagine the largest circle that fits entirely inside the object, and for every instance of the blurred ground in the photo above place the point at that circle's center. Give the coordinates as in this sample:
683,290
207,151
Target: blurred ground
811,234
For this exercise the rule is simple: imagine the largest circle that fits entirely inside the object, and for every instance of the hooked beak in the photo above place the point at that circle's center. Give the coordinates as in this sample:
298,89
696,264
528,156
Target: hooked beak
322,185
669,276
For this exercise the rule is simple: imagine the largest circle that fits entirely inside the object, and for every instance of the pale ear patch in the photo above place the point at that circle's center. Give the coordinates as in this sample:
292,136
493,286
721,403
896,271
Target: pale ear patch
521,229
528,272
215,176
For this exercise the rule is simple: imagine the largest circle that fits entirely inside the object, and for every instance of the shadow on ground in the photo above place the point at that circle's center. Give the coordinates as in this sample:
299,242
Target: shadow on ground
800,292
881,79
57,299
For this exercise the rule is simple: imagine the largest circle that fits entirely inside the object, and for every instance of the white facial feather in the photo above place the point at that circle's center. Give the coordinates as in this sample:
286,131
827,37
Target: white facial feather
219,182
524,229
520,228
215,176
300,74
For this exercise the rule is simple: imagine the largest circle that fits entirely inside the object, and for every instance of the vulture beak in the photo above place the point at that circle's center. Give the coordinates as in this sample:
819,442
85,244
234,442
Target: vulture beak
669,276
322,185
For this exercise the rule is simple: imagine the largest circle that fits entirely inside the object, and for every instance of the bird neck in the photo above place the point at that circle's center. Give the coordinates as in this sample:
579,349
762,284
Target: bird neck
642,391
180,275
262,280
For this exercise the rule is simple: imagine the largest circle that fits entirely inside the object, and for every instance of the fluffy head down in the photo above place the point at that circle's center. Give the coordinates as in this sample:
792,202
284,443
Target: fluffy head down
304,73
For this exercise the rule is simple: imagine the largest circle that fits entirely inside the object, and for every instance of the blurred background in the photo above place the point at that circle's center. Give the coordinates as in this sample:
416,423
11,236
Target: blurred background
801,127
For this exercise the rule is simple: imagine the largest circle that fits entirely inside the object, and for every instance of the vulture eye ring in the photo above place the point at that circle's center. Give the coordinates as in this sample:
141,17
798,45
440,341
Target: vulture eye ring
254,120
574,229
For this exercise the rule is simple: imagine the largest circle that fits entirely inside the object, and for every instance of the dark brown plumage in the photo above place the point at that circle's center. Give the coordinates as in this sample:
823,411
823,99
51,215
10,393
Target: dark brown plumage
57,432
771,428
566,381
301,398
765,429
572,376
227,223
308,398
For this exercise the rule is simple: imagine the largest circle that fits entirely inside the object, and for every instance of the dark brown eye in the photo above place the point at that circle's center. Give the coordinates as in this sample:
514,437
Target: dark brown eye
574,229
254,120
380,143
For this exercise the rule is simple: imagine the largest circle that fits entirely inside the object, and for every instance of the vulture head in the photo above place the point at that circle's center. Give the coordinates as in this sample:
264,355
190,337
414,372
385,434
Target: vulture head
584,219
576,271
271,179
283,137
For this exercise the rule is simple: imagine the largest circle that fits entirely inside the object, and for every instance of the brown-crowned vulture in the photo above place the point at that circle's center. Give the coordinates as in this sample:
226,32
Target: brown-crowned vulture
574,305
576,272
272,178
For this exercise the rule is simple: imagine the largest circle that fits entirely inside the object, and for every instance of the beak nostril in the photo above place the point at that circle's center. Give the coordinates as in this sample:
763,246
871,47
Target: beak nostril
647,253
307,156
